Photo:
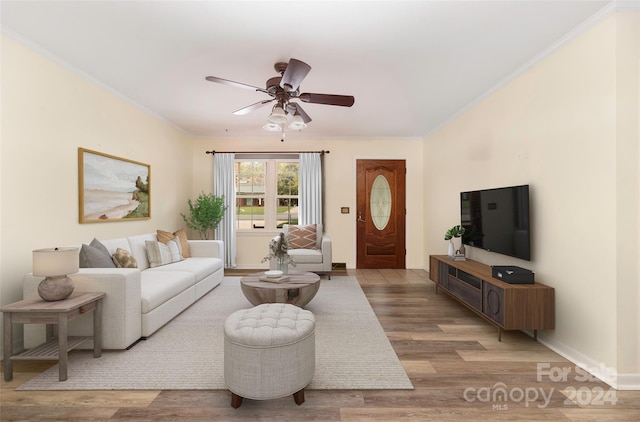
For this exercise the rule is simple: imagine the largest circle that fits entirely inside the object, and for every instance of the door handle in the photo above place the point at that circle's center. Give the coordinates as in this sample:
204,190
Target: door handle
360,220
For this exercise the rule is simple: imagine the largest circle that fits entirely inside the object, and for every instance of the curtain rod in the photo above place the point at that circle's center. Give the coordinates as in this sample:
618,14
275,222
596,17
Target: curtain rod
264,152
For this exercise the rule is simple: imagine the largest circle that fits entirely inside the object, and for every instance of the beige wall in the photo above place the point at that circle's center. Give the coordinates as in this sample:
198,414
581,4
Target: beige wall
47,113
566,127
340,190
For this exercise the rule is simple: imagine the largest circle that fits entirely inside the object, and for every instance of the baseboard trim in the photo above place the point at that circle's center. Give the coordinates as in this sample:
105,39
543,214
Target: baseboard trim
610,376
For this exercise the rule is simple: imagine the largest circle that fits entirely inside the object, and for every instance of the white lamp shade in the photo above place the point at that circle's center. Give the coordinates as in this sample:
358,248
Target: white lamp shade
52,262
272,127
278,115
297,123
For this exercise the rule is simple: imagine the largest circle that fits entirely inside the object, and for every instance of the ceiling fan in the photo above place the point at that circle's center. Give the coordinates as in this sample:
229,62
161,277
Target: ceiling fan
283,89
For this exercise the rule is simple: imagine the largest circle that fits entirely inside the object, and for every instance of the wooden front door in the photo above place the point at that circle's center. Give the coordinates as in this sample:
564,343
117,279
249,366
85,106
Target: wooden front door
381,213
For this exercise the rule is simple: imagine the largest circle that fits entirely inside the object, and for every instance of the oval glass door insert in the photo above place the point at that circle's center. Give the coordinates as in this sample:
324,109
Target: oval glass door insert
380,202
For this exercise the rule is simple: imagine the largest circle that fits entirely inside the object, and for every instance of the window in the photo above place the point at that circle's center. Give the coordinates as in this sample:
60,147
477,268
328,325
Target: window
266,193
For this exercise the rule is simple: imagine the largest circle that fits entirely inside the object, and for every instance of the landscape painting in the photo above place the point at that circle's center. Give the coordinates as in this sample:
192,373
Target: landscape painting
112,188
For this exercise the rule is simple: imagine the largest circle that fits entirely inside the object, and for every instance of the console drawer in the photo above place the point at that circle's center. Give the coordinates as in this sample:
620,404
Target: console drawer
468,294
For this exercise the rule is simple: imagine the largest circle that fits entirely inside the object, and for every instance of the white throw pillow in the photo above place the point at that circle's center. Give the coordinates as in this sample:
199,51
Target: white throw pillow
163,253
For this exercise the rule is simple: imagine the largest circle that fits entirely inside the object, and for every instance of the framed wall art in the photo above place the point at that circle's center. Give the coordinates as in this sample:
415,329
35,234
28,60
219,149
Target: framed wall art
112,188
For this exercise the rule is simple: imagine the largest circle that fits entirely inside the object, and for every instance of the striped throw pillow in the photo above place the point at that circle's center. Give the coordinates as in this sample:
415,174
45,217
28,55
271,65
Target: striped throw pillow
163,253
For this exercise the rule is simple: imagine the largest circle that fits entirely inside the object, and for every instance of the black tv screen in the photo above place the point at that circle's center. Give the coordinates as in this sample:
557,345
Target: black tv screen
497,220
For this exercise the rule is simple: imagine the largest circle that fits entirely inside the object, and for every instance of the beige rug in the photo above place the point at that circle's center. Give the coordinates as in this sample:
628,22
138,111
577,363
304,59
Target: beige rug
352,351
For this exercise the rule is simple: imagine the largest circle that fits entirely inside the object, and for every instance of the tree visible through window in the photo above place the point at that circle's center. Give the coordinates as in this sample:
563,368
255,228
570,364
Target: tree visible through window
266,194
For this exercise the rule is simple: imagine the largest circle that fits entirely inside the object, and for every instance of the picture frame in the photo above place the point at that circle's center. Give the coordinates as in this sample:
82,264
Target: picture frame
112,188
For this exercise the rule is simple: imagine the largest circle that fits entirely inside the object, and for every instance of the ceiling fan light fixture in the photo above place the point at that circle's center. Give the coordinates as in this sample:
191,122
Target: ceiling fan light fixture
297,123
278,115
272,127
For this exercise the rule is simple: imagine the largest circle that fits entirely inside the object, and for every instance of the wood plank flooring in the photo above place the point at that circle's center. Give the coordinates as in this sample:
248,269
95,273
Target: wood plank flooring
452,357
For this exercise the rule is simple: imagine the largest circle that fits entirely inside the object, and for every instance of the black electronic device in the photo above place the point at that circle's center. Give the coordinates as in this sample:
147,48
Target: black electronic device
497,220
512,275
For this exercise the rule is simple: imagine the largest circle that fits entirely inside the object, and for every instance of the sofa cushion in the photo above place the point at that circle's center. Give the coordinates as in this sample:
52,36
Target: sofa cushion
302,237
199,267
306,256
95,255
124,259
138,248
112,245
181,235
157,287
163,253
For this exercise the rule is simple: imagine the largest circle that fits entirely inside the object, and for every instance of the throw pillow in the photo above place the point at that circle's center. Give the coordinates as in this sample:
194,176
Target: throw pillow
302,237
164,237
123,259
95,255
163,253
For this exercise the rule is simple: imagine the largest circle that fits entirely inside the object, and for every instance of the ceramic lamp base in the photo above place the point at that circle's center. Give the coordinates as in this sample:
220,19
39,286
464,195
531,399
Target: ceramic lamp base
52,289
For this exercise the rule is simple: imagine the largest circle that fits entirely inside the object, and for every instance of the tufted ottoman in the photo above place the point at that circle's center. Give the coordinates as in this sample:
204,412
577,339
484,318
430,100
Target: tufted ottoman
269,352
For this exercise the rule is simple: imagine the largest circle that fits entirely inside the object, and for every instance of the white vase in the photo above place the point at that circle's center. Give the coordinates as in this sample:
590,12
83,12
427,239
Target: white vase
452,250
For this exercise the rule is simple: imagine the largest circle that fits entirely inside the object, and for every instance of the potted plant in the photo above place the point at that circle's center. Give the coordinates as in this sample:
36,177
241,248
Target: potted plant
455,231
205,214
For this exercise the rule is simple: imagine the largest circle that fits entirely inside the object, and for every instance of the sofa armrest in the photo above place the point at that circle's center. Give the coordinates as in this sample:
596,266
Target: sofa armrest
207,249
121,310
326,250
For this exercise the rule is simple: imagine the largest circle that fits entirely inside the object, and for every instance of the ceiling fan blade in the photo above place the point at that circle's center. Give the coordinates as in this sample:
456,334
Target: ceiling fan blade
249,109
295,107
232,83
337,100
294,74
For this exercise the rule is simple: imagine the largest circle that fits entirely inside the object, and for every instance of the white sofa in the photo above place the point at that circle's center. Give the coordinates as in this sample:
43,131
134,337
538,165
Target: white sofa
318,260
139,300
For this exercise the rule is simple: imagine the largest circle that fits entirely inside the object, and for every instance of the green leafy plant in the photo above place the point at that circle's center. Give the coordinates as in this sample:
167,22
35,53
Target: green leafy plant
205,214
455,231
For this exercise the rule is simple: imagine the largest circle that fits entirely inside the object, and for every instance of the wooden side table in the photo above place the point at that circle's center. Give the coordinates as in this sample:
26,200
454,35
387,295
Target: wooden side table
37,311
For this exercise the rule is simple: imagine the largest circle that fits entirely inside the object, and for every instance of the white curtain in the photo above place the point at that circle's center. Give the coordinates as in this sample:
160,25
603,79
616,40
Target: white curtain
310,188
224,185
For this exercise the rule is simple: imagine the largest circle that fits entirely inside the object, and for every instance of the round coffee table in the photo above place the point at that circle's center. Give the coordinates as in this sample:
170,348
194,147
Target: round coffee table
298,290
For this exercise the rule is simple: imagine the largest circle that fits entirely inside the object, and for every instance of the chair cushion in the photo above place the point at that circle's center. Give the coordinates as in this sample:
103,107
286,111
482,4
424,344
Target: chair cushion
302,237
306,256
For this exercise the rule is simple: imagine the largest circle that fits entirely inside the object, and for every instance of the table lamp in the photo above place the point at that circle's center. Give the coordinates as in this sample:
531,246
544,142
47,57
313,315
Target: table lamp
55,264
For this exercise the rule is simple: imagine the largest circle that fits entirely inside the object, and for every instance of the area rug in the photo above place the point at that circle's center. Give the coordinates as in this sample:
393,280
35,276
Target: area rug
352,350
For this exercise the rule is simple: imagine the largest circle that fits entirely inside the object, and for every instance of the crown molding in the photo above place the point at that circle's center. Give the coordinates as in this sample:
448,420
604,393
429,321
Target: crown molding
612,7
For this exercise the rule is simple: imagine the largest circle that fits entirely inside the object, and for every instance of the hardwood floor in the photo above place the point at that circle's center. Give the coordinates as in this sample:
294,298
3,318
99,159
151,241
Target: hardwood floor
452,357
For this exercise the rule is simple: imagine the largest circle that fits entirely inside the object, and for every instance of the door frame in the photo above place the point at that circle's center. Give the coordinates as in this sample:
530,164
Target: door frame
355,196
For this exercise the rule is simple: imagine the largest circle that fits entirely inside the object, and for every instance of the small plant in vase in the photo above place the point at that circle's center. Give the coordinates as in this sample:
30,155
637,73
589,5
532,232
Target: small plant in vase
278,248
455,231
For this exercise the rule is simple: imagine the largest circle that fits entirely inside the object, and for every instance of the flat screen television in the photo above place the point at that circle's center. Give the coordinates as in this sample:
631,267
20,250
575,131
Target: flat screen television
497,220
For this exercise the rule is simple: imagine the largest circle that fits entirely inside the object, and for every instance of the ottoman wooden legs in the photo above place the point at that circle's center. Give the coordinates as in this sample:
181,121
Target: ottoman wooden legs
236,400
299,397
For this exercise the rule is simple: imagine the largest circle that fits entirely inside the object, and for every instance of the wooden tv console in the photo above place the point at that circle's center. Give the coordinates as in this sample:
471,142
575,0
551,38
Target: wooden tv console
508,306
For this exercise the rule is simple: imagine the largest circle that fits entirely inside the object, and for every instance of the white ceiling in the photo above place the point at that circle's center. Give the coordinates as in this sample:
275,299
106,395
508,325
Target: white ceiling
411,65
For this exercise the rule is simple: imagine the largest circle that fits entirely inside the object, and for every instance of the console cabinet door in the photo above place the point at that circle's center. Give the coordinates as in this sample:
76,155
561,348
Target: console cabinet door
493,302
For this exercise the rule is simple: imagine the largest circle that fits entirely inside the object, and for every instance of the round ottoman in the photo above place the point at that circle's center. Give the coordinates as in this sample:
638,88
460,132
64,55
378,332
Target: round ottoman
269,352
